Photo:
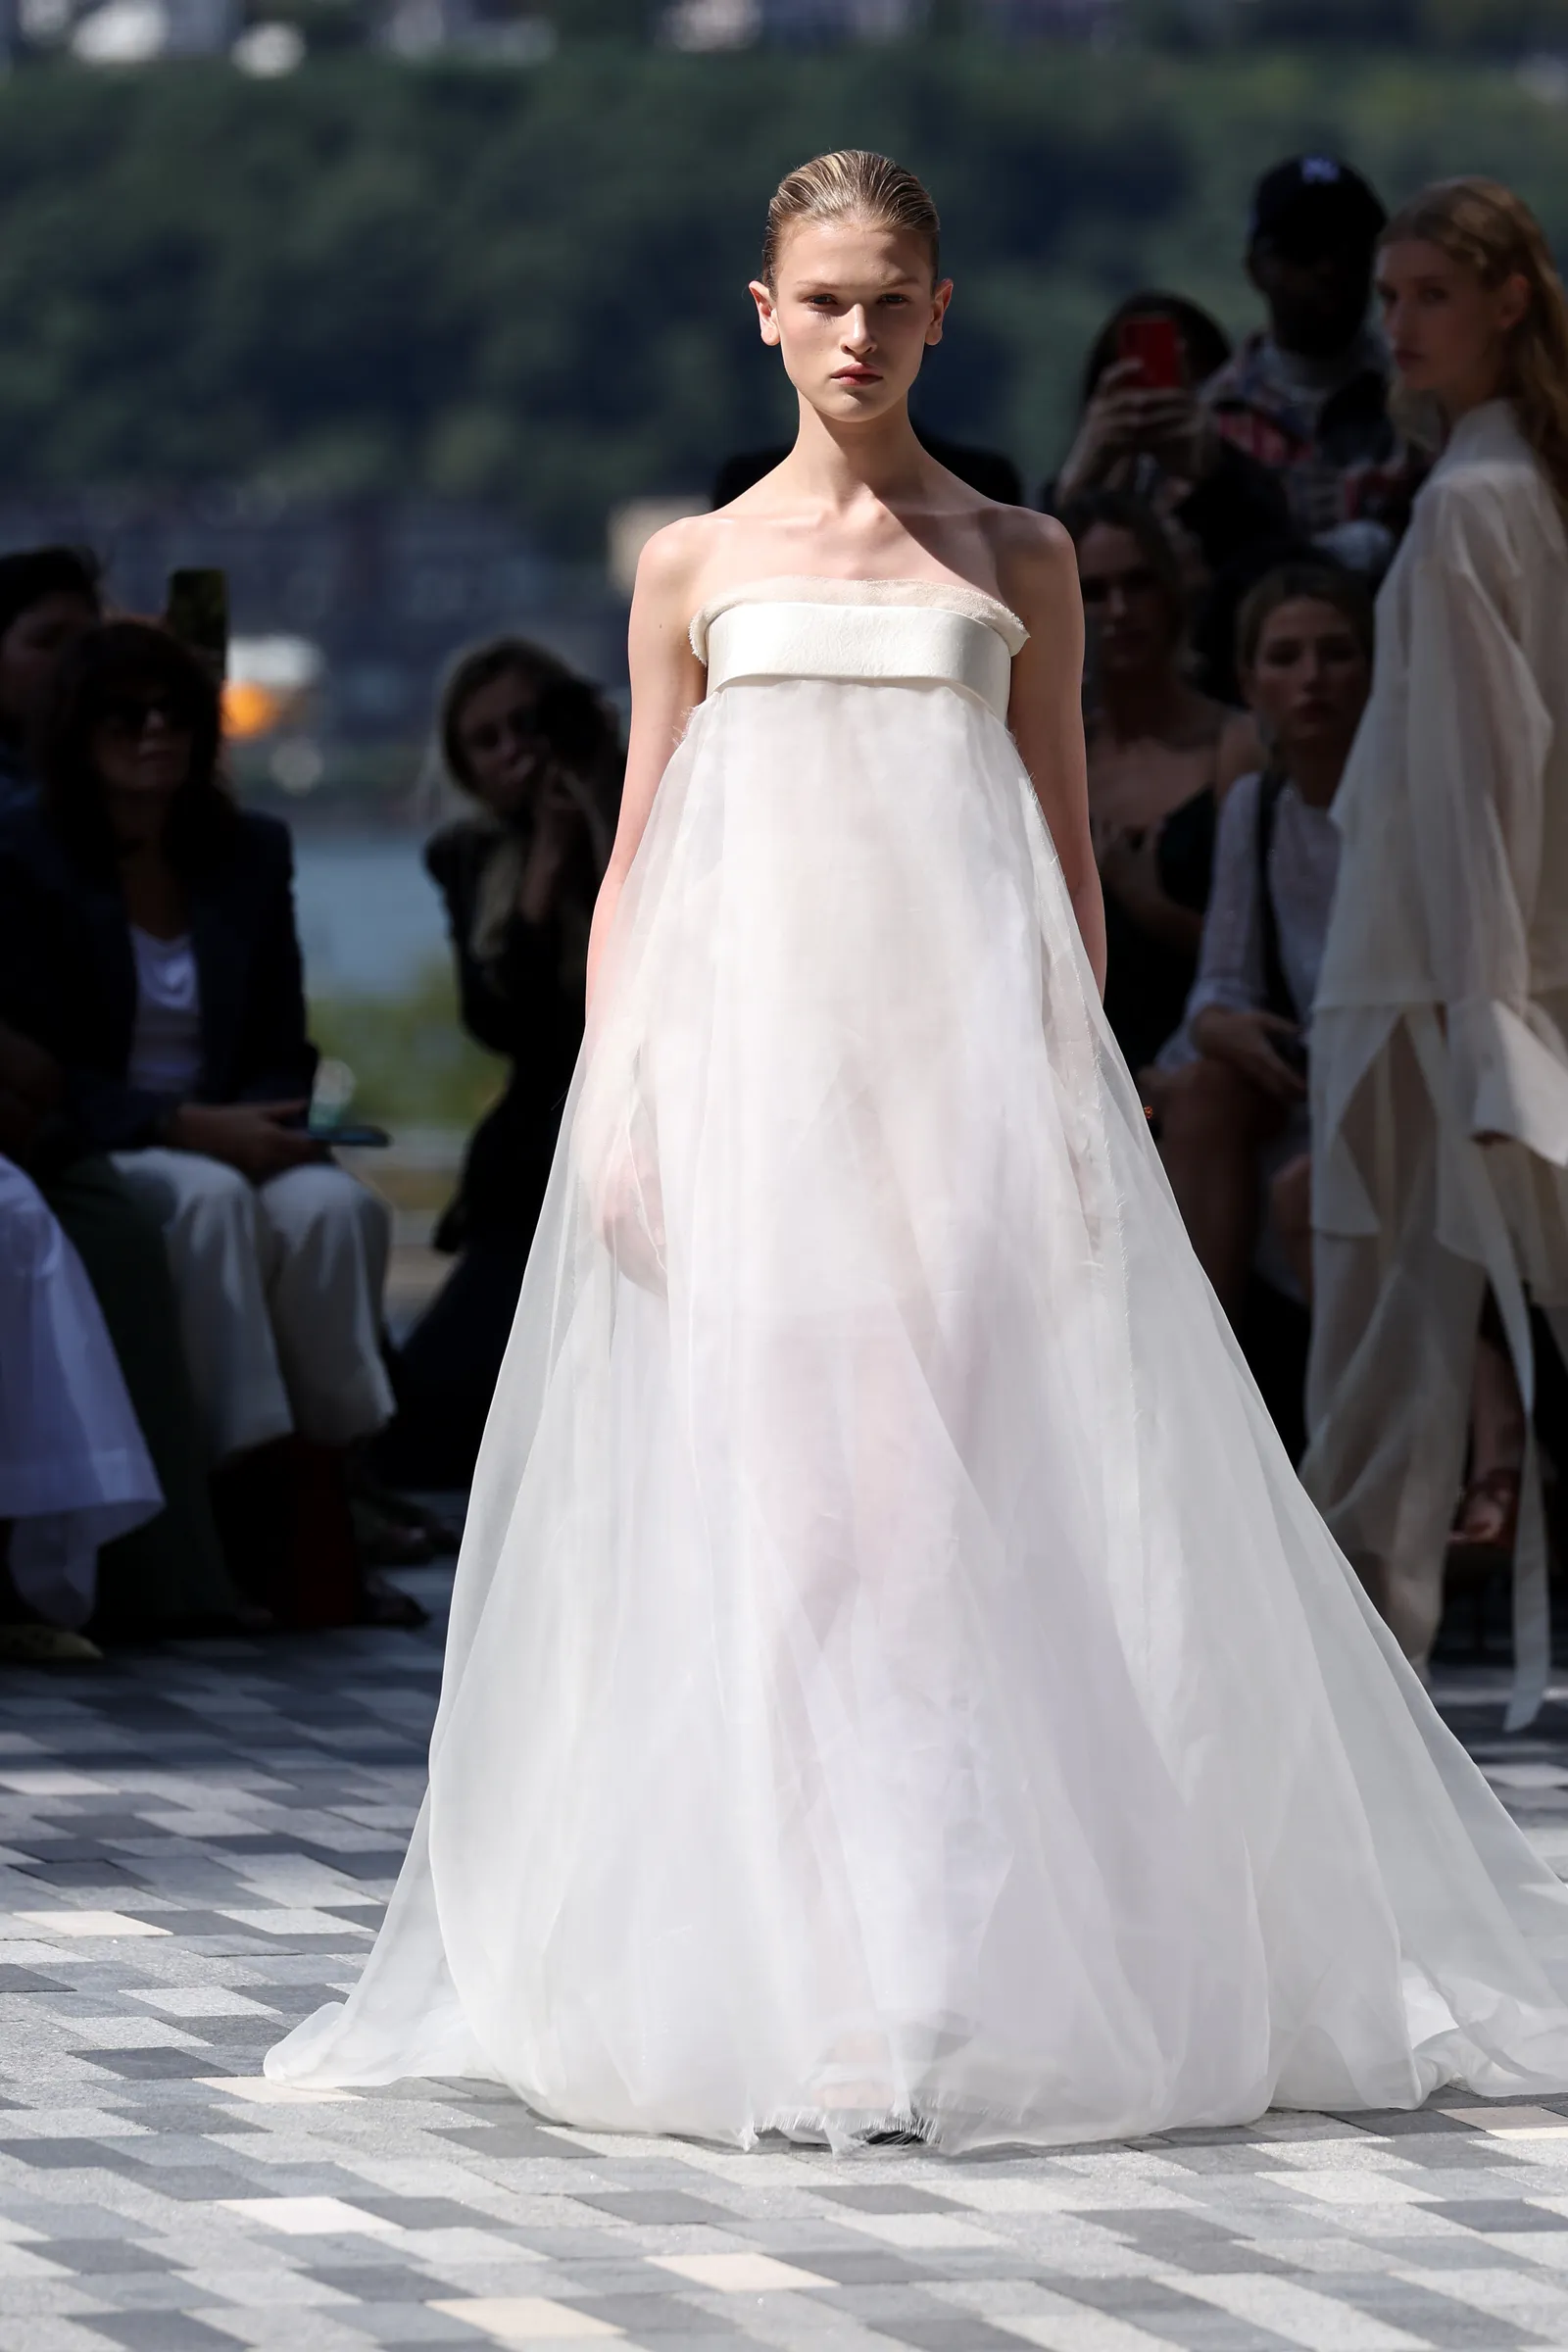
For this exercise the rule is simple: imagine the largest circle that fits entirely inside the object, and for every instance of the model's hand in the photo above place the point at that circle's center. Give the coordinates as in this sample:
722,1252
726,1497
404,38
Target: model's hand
251,1137
1245,1040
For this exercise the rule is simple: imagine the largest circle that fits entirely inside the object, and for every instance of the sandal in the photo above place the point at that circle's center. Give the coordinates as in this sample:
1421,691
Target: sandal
1498,1491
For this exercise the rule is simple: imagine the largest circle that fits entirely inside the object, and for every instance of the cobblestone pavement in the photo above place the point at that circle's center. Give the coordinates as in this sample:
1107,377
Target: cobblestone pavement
195,1843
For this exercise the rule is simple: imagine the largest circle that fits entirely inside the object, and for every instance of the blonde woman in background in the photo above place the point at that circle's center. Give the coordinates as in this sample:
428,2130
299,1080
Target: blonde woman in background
1440,1036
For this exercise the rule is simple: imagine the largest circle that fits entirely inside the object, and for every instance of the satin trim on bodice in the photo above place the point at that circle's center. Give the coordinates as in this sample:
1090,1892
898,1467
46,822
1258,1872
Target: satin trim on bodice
924,632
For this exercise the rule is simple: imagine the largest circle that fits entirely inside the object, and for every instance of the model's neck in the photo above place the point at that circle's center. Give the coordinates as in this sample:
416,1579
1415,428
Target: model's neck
840,464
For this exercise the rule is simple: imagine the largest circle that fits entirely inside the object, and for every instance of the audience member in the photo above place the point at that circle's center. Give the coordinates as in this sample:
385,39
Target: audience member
1236,1114
1157,441
1440,1075
48,599
1308,395
73,1470
147,942
1159,755
537,753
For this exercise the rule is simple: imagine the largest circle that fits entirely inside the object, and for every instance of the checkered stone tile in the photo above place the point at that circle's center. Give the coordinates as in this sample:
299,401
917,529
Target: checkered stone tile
195,1843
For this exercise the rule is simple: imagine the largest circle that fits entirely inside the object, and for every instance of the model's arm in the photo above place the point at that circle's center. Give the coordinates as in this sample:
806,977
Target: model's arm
667,685
1039,578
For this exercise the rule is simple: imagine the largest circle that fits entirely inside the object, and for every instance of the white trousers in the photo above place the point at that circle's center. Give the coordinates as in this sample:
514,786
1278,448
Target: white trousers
280,1288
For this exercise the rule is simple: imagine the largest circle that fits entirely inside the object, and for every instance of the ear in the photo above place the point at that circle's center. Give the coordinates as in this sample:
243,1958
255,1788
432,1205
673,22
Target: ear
766,311
940,300
1514,298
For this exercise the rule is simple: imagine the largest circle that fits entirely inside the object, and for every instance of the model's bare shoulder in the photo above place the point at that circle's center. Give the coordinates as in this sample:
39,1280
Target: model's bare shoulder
1037,568
671,567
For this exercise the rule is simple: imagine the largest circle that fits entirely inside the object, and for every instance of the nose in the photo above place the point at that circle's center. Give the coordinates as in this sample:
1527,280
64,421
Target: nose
857,335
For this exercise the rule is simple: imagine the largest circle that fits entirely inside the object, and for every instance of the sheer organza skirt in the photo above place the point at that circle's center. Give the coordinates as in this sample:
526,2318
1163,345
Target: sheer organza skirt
894,1673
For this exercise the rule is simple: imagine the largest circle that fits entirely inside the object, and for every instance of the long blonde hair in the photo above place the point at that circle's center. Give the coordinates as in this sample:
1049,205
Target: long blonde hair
1494,232
851,184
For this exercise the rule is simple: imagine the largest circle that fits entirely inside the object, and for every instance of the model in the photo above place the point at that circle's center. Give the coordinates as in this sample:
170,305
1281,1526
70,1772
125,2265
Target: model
1440,1069
896,1683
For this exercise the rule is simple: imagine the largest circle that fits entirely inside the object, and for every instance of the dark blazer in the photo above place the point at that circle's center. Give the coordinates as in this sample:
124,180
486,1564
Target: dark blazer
68,974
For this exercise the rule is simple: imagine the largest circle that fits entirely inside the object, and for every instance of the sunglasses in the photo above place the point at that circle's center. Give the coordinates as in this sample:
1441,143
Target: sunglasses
130,715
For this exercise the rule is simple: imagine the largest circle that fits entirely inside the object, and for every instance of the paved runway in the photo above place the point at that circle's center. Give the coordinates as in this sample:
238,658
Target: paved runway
195,1843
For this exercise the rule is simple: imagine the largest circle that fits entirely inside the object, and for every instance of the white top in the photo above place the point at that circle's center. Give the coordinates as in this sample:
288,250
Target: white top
1455,806
925,632
1304,859
165,1042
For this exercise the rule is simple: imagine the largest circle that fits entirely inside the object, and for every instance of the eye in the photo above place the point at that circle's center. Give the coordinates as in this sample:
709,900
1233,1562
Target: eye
903,298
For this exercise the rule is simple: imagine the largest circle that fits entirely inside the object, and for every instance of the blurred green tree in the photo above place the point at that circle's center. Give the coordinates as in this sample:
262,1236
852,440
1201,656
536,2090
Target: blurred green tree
528,286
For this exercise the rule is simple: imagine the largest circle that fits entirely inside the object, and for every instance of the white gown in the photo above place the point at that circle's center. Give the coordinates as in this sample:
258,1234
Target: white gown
894,1672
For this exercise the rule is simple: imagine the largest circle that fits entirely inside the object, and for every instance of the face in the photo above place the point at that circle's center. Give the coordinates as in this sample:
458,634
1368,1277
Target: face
1124,601
1448,332
1309,680
31,650
853,313
141,749
1316,308
504,754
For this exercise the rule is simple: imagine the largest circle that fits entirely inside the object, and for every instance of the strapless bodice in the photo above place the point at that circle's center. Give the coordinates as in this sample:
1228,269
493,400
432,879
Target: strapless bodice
906,632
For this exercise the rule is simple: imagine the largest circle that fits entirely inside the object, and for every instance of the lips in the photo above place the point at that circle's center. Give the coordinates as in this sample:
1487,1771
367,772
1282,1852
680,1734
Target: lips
856,375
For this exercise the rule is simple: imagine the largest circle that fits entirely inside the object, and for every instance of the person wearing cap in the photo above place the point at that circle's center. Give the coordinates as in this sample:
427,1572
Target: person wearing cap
1308,395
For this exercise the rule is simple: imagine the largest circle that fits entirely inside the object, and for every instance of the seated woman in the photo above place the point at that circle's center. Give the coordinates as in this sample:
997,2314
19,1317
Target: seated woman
536,751
1161,756
1237,1111
147,941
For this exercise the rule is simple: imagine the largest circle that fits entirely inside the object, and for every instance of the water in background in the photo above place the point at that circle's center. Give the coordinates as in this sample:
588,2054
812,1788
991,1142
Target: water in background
371,920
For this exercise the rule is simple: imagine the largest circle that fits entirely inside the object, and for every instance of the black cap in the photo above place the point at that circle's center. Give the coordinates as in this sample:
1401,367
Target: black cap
1315,205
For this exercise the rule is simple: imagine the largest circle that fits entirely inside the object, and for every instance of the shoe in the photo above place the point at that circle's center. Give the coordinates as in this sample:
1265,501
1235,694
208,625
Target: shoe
381,1603
47,1645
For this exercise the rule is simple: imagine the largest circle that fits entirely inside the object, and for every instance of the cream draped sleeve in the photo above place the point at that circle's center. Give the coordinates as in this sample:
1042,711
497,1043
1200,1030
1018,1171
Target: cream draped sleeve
1440,1021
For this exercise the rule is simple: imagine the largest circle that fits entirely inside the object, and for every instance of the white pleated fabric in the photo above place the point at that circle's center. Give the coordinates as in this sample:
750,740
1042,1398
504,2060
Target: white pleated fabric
894,1672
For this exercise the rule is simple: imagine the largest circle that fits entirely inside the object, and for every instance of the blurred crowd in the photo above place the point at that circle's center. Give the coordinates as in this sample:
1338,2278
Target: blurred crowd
203,1422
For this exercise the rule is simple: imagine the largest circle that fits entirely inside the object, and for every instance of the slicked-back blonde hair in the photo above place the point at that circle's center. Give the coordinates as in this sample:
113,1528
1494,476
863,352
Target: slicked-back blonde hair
851,184
1494,232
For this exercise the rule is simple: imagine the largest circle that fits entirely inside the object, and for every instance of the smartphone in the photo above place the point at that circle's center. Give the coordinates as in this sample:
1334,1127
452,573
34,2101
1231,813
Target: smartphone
1292,1051
353,1136
1152,341
196,611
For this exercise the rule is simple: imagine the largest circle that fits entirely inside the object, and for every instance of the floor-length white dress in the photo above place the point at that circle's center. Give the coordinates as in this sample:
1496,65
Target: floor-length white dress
894,1672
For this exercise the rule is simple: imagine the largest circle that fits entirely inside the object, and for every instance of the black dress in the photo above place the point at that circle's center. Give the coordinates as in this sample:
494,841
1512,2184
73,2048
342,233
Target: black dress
520,1005
1147,979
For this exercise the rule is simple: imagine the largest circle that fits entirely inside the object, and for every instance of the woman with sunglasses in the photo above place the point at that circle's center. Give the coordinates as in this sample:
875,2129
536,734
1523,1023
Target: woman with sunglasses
147,941
535,754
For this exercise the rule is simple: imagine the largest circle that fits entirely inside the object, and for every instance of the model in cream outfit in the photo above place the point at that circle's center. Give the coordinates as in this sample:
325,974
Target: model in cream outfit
1440,1038
894,1681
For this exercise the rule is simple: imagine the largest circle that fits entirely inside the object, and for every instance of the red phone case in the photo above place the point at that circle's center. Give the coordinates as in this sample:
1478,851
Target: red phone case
1152,341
